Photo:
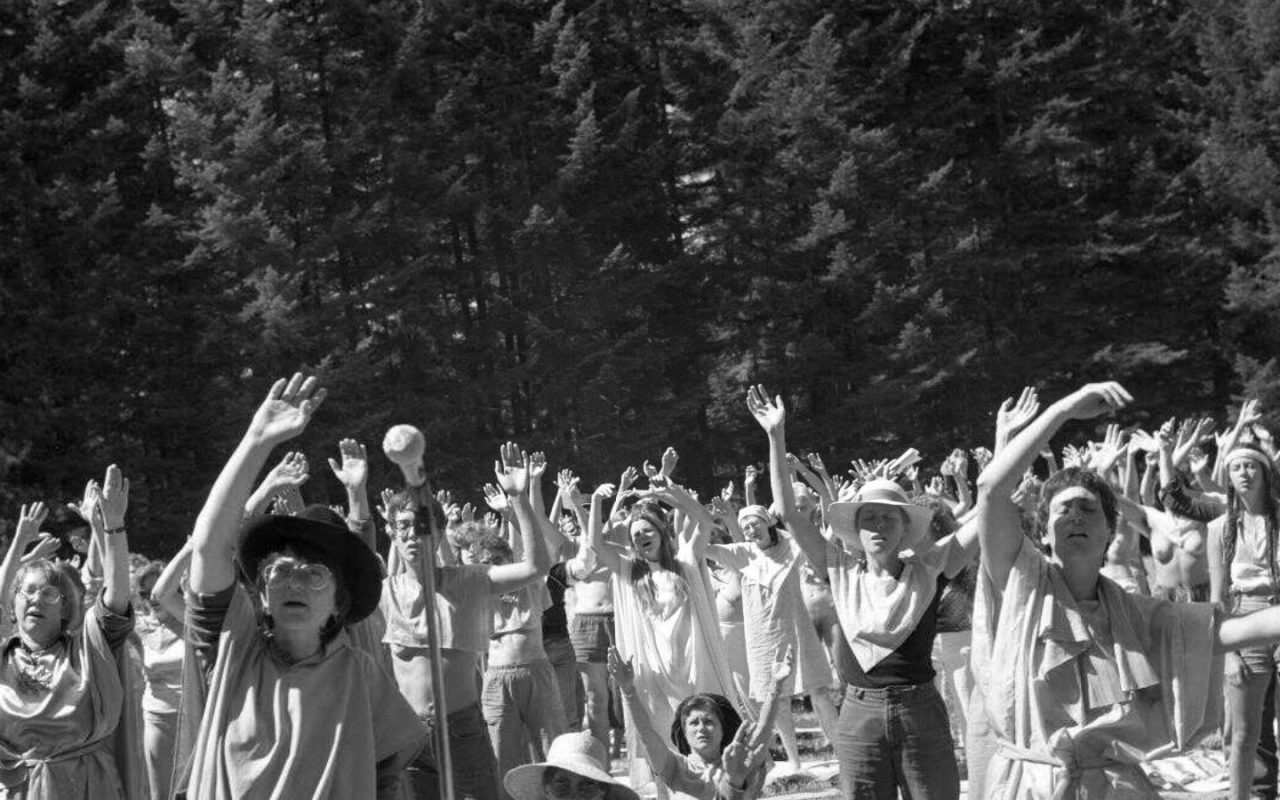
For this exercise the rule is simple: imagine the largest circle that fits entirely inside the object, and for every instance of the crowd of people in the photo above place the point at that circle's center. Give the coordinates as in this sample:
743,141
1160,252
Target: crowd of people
1057,623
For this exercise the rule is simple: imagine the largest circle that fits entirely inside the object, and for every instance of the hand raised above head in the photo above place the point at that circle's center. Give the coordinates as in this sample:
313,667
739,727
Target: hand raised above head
512,475
771,414
287,409
1096,399
115,498
353,470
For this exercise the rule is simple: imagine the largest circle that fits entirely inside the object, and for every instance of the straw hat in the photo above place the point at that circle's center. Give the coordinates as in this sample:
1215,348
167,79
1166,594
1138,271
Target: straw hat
843,517
579,753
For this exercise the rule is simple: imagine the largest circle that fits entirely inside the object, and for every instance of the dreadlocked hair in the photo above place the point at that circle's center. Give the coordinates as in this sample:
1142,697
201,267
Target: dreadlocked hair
1235,522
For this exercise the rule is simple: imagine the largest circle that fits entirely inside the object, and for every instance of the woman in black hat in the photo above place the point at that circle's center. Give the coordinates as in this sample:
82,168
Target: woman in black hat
290,703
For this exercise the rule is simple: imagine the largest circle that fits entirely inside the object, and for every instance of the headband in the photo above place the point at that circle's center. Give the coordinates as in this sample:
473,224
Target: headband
1249,453
757,511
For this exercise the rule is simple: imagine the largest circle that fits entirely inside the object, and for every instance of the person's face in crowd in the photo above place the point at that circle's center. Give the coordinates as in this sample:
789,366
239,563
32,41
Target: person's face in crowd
1077,528
646,539
703,731
806,503
881,528
561,784
407,533
1246,477
756,532
569,527
37,606
300,595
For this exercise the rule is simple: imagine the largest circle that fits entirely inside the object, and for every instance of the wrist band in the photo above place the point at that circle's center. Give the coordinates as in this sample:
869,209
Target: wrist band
115,531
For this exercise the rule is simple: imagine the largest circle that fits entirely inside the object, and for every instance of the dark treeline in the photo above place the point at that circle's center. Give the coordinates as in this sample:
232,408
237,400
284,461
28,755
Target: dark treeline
585,225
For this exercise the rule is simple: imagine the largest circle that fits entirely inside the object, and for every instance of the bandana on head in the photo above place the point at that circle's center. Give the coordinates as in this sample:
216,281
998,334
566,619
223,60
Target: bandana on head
758,512
1257,456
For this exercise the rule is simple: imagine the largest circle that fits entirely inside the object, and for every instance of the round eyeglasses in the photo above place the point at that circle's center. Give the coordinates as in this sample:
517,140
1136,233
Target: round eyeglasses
312,576
45,594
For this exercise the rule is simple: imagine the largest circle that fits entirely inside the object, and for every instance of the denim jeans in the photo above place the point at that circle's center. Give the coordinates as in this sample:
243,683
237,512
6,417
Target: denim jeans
1251,715
475,770
894,738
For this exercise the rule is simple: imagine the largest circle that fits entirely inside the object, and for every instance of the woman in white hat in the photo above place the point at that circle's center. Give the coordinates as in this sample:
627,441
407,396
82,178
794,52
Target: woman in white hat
886,577
577,768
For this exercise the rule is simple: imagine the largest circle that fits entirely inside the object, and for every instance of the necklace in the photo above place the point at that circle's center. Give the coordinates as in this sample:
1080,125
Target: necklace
35,668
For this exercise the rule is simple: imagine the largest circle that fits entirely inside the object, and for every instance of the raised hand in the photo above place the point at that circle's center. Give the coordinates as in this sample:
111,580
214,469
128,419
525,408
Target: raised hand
467,513
115,498
604,491
293,470
669,460
496,498
815,461
1014,415
1073,456
1095,399
353,470
622,671
1106,455
287,409
1198,460
1249,413
936,487
30,518
512,474
384,509
46,546
726,494
537,462
288,501
982,457
771,414
651,472
750,475
88,505
1141,441
628,479
492,521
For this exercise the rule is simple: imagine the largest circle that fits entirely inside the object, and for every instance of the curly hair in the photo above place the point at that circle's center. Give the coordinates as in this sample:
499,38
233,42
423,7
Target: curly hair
730,719
1070,478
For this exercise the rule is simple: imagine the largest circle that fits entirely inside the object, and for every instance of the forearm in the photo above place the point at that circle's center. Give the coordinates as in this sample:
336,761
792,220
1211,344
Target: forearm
360,515
217,528
115,577
535,549
1131,477
654,743
804,531
167,590
1259,627
257,503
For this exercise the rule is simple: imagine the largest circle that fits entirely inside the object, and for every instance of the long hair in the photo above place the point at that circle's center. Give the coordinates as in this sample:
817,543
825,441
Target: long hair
730,719
655,516
1235,509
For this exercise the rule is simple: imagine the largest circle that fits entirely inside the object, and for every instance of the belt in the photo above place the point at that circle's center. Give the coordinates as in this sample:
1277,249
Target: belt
891,692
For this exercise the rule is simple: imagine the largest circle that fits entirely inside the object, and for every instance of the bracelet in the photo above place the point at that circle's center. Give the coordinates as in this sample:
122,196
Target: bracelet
115,531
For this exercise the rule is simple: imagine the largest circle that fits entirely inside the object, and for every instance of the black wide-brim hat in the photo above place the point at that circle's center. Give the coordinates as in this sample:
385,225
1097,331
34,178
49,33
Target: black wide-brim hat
314,527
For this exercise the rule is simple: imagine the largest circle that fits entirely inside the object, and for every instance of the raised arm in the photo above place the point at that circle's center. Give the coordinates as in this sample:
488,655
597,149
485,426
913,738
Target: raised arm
999,530
30,518
660,756
115,542
292,471
352,471
1014,415
772,416
283,415
1249,414
167,590
513,478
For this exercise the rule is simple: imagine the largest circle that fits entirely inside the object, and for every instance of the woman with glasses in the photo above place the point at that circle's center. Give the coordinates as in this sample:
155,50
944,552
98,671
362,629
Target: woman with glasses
65,729
291,703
